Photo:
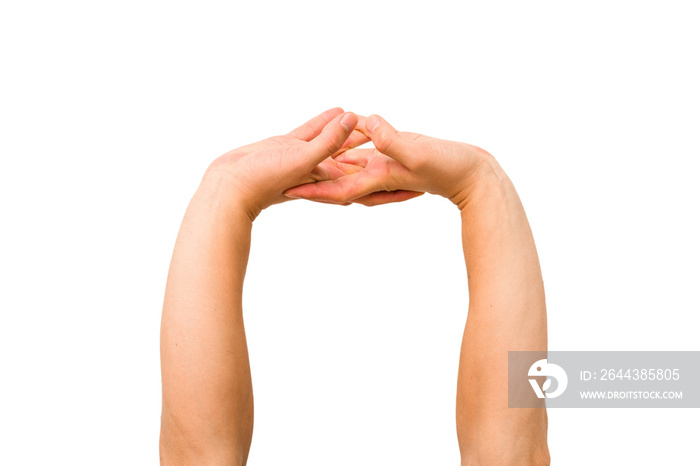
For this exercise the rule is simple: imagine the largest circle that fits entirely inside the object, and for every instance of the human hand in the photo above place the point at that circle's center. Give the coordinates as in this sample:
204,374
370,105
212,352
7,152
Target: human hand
258,173
401,161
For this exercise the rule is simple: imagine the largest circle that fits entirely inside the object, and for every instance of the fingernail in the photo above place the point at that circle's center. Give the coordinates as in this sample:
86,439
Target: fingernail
291,196
372,123
345,122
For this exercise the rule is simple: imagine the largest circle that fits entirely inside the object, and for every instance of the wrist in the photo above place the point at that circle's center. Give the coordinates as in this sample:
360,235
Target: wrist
485,175
220,194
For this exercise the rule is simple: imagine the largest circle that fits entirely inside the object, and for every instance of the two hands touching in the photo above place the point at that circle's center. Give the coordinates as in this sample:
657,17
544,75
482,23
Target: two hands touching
321,161
207,415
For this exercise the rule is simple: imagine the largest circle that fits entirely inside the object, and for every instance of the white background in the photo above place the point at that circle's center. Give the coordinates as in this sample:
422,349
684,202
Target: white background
111,111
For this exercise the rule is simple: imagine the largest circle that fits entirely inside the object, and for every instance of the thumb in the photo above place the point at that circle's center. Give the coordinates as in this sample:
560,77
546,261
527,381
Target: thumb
388,141
331,139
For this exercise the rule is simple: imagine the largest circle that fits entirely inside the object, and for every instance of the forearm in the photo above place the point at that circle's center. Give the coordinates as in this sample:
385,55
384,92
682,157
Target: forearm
506,313
207,391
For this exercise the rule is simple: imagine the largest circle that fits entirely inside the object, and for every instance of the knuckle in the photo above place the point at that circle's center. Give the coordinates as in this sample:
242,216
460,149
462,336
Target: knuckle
420,159
417,164
331,144
385,142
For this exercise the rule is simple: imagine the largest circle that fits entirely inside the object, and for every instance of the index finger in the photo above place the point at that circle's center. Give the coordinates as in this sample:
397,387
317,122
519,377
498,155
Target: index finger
314,126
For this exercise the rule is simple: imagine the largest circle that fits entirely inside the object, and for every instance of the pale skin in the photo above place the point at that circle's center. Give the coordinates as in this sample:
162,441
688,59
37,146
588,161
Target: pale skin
207,415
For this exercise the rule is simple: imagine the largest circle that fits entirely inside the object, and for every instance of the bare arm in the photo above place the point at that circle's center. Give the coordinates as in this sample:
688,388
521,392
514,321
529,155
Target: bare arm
506,313
207,390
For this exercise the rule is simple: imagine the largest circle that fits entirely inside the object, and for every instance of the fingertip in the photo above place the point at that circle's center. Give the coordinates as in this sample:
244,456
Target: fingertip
372,122
332,113
349,121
